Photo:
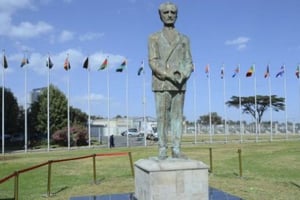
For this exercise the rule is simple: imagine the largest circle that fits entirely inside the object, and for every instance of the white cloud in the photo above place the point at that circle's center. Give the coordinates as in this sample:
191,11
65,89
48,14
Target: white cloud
96,97
29,30
240,42
11,6
24,29
66,36
90,36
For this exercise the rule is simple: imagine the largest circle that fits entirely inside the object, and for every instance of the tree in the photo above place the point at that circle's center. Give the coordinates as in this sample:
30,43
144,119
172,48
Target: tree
262,104
20,125
78,117
215,119
11,111
58,111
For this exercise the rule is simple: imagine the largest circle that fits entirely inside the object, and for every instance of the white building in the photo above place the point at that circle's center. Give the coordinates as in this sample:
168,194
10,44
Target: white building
115,126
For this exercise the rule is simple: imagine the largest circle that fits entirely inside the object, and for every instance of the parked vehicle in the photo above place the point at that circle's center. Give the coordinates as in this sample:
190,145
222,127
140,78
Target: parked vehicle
131,132
153,136
17,138
7,138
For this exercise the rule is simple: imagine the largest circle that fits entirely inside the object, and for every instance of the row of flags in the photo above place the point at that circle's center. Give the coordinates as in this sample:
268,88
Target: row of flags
251,70
67,65
267,72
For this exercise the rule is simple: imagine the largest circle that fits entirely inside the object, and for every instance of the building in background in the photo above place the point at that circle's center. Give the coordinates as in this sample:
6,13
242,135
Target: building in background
35,93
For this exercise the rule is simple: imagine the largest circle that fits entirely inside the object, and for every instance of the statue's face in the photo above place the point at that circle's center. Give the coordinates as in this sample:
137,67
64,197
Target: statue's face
168,14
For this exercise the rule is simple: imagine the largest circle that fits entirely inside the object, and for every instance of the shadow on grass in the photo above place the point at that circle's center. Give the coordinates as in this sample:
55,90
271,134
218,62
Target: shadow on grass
60,190
97,181
54,193
8,199
295,184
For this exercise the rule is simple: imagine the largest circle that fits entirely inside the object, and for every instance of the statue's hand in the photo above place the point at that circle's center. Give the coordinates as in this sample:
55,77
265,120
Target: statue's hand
160,76
177,76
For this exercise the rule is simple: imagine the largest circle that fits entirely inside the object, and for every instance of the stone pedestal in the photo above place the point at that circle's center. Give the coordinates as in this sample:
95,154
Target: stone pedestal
171,179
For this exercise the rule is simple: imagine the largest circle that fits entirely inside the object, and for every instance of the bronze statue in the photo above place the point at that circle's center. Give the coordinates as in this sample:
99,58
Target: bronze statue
171,63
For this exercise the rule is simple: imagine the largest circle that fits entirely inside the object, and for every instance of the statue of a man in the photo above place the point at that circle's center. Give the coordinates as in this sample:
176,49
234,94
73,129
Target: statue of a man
171,63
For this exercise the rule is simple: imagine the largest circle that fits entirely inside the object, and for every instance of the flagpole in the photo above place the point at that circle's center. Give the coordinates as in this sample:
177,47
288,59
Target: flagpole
144,104
127,110
25,107
89,108
271,114
285,96
48,108
108,107
195,100
240,105
255,104
237,73
3,124
299,93
224,99
127,125
209,107
68,88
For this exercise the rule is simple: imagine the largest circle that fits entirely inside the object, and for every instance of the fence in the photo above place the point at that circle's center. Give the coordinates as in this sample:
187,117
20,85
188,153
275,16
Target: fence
242,133
16,174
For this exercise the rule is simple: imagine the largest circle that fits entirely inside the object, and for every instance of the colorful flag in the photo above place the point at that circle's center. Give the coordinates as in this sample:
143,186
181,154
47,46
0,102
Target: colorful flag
49,63
281,72
250,71
104,64
67,65
236,71
121,67
86,63
141,69
24,62
5,64
267,73
207,69
298,71
222,72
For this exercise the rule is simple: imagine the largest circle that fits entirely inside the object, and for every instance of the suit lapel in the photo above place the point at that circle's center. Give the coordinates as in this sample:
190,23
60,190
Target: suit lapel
172,44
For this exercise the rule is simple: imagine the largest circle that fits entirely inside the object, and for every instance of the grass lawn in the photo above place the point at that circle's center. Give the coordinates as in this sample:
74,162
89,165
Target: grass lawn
270,171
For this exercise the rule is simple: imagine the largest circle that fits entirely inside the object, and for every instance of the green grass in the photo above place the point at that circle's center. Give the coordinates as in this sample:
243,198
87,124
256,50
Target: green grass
270,171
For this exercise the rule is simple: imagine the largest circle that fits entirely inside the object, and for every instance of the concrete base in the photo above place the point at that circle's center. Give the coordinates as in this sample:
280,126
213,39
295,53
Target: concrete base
171,179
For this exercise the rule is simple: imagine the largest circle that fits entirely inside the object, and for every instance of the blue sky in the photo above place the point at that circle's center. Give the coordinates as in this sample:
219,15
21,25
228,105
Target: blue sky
224,33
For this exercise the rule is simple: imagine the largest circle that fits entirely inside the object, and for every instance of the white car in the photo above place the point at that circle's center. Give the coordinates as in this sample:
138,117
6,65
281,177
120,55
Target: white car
131,132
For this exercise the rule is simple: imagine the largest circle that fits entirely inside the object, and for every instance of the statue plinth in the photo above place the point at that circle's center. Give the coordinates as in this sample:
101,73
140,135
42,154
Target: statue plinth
171,179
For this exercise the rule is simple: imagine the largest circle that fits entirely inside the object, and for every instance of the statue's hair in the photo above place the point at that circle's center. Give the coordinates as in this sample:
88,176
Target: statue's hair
163,5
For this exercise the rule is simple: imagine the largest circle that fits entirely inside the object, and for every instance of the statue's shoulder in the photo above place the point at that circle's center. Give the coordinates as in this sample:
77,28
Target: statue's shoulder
184,37
155,36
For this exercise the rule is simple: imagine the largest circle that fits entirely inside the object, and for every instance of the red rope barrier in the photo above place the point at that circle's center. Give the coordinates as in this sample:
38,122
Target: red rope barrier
7,178
61,160
32,168
113,154
69,159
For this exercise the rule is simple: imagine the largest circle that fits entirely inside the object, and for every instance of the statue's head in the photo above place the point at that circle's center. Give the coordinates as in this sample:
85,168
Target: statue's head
168,13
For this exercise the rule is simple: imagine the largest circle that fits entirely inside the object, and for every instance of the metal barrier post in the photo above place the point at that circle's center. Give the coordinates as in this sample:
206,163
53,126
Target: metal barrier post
210,161
49,178
240,162
16,192
131,163
94,168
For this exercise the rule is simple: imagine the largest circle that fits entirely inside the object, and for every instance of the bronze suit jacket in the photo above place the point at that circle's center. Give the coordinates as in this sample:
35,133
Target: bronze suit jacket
169,61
